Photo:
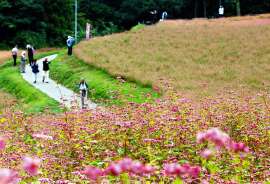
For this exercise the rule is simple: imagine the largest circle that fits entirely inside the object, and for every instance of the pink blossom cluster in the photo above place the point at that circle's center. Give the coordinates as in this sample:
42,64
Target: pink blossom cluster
43,136
8,176
2,143
214,135
31,165
125,165
220,139
174,169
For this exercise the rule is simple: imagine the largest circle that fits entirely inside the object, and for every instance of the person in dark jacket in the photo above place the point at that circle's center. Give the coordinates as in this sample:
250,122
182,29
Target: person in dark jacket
46,69
83,92
35,70
70,43
30,51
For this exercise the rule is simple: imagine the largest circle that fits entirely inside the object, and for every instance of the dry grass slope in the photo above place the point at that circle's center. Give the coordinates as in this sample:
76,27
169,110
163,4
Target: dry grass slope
198,57
4,55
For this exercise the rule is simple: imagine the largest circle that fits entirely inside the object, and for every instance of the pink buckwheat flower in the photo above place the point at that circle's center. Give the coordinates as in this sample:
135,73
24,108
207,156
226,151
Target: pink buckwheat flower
42,136
172,169
214,135
31,165
92,173
148,169
114,169
137,168
207,153
2,143
8,176
239,147
125,164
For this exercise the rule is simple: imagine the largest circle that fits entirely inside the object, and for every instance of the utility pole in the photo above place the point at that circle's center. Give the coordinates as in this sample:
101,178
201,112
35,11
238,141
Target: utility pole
76,20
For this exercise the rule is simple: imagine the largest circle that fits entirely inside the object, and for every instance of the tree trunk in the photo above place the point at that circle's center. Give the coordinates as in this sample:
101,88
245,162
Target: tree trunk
204,8
238,8
195,8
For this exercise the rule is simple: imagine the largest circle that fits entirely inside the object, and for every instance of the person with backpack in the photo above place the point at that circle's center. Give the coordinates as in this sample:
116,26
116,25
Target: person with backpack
30,51
14,52
23,61
46,69
70,43
35,70
83,87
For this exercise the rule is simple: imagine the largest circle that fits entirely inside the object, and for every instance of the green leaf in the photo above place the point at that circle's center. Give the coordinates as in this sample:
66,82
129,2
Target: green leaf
177,181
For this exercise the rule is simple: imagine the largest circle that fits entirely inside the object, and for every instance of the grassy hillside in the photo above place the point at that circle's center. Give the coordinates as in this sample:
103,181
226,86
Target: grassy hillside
68,70
6,100
199,57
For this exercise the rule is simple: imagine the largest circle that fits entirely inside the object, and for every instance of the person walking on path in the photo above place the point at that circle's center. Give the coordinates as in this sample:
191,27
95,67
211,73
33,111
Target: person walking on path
23,61
35,70
46,69
14,52
70,43
30,51
83,92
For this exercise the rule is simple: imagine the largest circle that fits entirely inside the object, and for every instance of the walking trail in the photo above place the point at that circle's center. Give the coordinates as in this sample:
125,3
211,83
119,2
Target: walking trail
54,90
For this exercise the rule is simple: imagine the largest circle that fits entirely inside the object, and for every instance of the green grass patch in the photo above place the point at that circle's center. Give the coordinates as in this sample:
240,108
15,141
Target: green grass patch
104,89
137,27
30,100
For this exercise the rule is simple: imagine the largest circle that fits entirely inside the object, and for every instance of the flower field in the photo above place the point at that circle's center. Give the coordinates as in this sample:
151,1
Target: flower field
174,140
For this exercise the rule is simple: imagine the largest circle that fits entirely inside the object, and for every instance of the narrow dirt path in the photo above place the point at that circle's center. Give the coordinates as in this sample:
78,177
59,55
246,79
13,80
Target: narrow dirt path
54,90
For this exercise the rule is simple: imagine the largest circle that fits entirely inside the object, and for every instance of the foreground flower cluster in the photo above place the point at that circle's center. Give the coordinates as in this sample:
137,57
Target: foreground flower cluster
222,140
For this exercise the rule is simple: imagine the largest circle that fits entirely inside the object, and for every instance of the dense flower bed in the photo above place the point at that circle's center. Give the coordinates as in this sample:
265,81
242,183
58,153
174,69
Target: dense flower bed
221,140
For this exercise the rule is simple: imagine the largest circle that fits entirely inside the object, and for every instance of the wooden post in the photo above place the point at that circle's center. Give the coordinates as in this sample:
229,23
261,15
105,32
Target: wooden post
88,31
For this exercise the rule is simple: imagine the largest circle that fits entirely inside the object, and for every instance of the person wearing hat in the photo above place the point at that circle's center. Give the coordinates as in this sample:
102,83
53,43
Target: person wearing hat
23,61
70,43
83,92
14,52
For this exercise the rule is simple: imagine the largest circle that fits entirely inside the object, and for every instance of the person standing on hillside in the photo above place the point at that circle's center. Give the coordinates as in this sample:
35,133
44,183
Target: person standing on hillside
35,70
70,43
46,69
83,92
23,61
30,51
14,52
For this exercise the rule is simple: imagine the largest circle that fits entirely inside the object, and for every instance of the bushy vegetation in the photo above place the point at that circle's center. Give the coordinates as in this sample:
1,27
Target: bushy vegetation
173,138
43,23
198,57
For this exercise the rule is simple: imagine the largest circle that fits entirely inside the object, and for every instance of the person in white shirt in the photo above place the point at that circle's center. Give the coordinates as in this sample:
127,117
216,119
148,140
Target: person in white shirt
83,92
14,52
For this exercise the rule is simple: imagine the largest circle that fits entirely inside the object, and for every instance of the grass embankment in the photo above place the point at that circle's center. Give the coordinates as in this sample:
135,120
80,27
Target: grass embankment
6,100
104,89
198,57
30,100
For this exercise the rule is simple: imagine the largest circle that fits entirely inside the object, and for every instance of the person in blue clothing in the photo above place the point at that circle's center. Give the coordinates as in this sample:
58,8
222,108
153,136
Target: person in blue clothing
70,43
35,69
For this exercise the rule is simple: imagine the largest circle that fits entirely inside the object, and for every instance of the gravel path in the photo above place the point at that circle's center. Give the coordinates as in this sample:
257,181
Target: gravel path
56,91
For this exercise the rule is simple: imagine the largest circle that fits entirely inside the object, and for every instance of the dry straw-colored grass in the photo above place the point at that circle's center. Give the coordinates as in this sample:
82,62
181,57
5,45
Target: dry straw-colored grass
4,55
6,100
198,57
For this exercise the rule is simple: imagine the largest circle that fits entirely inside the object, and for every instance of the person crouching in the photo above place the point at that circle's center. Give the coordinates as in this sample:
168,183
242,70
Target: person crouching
35,70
